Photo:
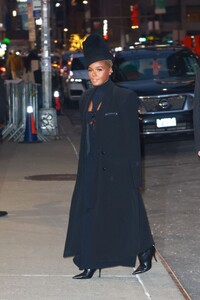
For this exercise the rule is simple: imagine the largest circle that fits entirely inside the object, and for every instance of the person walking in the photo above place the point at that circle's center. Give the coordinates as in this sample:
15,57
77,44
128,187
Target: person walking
33,67
15,65
108,225
196,113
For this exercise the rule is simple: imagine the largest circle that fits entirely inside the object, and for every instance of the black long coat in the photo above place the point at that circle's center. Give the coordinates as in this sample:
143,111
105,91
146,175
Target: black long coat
196,112
120,228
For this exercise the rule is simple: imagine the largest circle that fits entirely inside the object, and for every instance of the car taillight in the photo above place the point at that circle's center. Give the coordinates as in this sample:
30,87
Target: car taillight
2,69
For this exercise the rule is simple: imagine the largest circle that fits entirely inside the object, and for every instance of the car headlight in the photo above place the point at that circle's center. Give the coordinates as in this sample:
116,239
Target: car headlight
141,108
189,103
75,80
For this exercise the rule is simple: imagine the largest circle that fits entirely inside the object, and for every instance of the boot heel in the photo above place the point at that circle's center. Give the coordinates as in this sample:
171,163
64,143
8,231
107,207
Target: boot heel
155,257
87,274
145,259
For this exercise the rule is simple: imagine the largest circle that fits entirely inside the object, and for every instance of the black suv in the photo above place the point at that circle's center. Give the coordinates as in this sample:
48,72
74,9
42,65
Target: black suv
163,77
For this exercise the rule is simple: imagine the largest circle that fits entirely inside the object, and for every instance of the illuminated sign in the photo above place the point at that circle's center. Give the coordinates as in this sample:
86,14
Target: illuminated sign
105,29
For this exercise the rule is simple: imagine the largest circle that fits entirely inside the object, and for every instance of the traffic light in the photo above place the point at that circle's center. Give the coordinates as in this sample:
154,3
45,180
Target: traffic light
6,41
134,16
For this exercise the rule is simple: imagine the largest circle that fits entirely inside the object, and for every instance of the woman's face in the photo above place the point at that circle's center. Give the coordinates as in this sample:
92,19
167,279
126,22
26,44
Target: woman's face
99,72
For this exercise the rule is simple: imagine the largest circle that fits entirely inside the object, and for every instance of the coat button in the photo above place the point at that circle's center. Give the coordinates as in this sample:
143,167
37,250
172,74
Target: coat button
104,169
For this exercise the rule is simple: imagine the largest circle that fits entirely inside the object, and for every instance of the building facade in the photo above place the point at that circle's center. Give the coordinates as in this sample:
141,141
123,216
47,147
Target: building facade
114,19
178,19
2,19
181,18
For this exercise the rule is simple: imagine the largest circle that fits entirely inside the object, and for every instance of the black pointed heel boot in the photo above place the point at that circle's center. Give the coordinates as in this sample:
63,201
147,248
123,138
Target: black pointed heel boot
145,259
87,274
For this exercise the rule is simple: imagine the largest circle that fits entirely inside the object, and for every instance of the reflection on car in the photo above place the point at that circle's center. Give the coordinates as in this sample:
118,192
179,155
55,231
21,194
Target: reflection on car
163,78
75,78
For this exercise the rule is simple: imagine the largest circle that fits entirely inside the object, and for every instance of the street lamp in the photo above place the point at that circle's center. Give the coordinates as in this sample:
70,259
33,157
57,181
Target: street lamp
87,17
14,13
65,30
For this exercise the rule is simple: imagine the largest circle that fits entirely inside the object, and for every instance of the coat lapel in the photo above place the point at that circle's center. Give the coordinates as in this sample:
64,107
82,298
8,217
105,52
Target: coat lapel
107,106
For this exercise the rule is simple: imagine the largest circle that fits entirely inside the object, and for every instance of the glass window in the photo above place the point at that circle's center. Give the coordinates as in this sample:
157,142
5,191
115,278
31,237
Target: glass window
78,63
172,14
193,14
155,64
182,64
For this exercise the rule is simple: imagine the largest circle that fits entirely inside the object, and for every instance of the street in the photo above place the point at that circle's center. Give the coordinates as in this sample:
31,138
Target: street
36,185
171,194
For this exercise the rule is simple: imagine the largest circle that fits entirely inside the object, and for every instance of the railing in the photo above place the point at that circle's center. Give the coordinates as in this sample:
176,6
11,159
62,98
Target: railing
20,95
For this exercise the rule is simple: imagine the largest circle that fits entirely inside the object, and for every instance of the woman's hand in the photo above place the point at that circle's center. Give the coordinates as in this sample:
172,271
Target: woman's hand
198,153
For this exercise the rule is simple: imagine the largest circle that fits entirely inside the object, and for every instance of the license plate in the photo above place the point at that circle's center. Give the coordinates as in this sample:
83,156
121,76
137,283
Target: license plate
166,122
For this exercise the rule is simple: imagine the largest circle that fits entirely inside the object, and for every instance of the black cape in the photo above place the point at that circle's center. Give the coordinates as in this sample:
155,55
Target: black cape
119,225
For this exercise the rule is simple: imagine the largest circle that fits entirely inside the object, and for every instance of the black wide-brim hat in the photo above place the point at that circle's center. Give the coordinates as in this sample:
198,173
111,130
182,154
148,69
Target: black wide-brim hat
95,49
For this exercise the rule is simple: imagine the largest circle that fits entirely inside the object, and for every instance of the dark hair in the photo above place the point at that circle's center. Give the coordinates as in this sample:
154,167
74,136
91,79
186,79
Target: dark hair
33,55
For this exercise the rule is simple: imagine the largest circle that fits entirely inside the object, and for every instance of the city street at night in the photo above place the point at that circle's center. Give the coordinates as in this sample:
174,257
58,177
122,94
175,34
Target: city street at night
122,61
36,184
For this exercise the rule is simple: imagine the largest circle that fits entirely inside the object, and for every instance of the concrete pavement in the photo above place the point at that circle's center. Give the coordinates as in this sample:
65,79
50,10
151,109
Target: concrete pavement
32,235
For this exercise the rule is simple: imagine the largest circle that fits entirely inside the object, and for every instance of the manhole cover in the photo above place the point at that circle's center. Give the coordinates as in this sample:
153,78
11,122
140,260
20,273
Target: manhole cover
52,177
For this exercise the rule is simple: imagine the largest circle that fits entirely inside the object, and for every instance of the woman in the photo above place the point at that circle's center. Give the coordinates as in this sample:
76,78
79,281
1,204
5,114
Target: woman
108,225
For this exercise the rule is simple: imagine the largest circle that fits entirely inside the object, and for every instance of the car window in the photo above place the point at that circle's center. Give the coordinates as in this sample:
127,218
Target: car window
154,64
78,63
182,64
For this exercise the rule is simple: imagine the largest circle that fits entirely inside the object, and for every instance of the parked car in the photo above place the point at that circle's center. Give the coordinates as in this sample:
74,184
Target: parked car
163,77
75,78
3,67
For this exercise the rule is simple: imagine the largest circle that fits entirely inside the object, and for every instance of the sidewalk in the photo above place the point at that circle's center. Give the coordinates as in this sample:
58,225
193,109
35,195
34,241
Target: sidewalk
32,235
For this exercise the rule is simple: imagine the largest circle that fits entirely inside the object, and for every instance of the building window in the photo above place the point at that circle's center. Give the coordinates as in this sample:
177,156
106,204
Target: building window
172,14
193,14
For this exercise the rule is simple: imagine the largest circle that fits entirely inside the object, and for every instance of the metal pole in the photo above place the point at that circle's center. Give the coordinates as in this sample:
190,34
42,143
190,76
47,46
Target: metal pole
46,56
122,35
48,117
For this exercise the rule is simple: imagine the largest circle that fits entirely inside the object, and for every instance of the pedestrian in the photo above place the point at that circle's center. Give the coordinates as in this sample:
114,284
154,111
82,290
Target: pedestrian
33,73
3,116
196,113
108,225
33,67
15,65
